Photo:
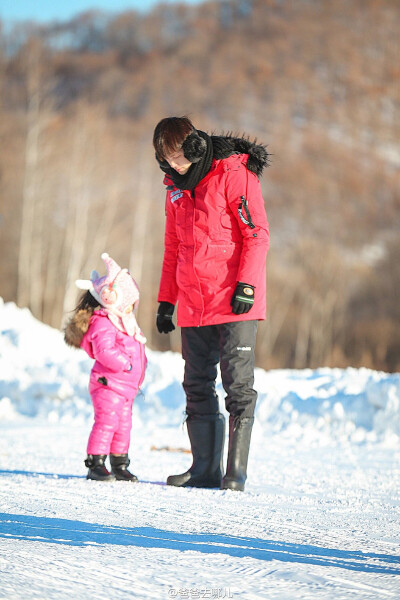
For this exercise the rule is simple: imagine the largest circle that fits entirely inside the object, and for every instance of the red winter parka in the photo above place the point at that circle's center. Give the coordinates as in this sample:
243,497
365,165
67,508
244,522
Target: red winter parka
215,236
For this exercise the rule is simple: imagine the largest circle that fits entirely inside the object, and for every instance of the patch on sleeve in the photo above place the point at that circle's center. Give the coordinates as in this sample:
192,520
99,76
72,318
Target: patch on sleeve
245,205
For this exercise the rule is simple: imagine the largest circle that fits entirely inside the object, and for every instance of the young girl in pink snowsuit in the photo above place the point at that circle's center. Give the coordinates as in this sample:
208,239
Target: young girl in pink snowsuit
104,325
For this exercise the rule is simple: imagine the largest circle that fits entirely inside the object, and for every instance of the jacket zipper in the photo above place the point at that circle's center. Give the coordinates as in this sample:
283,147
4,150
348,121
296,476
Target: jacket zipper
194,252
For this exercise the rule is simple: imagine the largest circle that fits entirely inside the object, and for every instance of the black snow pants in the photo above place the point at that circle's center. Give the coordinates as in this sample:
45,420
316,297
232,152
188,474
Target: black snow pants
232,345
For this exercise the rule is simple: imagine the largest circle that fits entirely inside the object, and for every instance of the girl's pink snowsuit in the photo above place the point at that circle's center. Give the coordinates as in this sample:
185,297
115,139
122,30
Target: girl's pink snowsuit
114,382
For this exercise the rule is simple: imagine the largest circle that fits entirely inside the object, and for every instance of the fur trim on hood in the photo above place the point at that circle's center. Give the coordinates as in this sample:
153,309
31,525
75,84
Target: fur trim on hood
195,148
231,144
77,327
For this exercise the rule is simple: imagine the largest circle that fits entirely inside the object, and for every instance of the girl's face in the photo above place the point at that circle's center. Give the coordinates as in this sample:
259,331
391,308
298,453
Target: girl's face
177,161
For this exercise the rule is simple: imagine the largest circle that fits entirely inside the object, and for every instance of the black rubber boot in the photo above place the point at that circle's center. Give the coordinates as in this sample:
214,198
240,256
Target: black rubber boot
119,468
97,470
238,453
206,434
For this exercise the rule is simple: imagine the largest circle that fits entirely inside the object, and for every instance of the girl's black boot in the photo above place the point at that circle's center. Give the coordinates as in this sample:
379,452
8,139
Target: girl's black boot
119,468
238,453
97,470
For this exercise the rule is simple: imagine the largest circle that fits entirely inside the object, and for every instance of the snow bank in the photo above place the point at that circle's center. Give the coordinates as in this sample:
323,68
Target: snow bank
43,378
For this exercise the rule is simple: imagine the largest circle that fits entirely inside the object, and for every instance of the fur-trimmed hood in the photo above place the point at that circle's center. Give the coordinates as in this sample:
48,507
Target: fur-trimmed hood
230,144
195,146
76,328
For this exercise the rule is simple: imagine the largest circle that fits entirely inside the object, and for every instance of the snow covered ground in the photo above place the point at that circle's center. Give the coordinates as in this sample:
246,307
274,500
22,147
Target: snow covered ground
320,517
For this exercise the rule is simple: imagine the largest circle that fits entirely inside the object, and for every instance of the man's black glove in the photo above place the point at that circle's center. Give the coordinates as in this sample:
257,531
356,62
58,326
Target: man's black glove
164,317
242,299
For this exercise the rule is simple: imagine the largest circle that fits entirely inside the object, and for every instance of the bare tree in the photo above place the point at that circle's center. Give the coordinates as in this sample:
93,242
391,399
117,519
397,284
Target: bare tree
25,293
81,165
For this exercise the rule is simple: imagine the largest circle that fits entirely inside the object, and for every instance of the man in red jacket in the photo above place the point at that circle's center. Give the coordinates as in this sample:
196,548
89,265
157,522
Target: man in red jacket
216,242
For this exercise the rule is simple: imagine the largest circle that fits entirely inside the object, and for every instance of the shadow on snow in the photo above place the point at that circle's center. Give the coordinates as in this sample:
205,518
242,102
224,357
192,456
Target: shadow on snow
39,474
79,533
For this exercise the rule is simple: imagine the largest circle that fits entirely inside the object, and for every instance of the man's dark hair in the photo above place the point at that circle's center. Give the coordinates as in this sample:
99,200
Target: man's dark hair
169,135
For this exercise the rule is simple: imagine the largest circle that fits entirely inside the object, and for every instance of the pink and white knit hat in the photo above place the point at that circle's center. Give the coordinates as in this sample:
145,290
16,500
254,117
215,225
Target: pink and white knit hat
116,292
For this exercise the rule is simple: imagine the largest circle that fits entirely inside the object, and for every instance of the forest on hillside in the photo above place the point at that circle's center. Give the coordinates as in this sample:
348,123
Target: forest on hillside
317,81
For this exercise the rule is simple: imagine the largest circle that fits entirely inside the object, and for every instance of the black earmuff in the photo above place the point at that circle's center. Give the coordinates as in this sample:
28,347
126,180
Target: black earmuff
194,147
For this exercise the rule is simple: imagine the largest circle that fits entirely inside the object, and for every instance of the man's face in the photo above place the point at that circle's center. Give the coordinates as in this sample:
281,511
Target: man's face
177,161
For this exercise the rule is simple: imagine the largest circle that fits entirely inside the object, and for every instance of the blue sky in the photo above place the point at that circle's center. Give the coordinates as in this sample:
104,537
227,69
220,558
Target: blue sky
50,10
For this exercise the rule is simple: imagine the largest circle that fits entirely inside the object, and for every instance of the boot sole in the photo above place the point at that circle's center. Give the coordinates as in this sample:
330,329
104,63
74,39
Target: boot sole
195,484
106,479
130,479
235,486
